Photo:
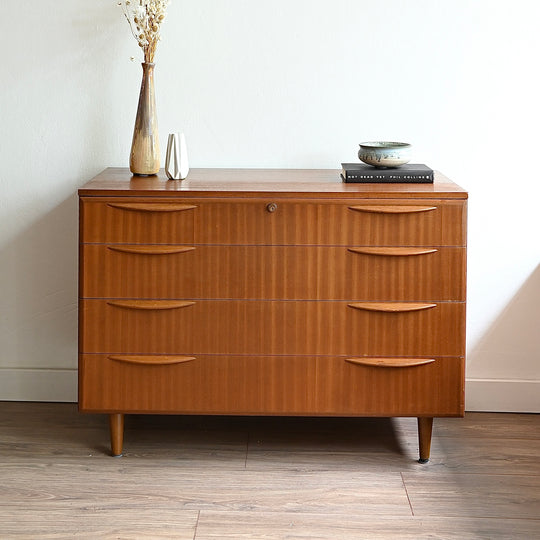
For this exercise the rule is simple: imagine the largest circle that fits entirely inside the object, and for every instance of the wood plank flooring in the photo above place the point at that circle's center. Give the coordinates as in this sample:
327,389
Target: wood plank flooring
203,478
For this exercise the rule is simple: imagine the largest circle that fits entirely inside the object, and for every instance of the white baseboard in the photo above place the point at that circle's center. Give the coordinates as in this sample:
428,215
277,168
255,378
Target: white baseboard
501,395
58,385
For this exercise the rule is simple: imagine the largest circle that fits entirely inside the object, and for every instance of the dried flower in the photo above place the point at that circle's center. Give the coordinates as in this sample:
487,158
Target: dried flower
144,18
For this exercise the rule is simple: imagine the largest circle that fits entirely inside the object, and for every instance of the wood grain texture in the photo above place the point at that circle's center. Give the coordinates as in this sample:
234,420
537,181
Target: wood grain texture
253,182
250,525
425,427
157,360
276,272
494,425
101,222
150,305
151,250
464,495
269,265
244,221
392,209
210,477
326,223
393,251
390,362
299,385
93,521
392,307
152,207
479,443
116,428
481,455
275,327
187,489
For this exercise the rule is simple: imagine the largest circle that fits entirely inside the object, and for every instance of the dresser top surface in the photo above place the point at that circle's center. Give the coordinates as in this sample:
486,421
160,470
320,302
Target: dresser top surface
320,183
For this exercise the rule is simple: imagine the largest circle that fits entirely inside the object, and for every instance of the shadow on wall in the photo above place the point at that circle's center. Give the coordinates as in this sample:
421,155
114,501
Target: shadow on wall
39,293
509,352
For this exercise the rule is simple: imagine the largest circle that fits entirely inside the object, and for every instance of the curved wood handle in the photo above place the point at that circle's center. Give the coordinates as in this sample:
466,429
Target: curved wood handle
390,362
393,251
391,307
150,304
392,209
152,207
152,360
151,250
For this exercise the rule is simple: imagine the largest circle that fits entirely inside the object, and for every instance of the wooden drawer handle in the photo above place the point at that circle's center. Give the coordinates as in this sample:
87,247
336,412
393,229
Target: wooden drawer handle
392,209
391,307
390,362
392,251
152,207
152,360
150,304
151,250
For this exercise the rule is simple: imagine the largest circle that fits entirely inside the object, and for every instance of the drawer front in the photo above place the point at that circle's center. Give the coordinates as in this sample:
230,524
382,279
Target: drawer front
272,272
140,271
271,385
272,327
136,220
375,223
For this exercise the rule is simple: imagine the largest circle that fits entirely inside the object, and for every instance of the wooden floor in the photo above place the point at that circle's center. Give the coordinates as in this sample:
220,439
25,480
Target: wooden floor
266,478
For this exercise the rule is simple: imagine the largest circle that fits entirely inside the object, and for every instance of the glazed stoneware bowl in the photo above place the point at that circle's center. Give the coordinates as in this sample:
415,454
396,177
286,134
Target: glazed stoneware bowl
385,154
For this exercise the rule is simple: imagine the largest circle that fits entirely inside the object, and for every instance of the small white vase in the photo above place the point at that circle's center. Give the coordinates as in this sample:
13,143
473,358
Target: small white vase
176,160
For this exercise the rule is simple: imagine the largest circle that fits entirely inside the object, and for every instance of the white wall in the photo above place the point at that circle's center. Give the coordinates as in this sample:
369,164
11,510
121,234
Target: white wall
273,83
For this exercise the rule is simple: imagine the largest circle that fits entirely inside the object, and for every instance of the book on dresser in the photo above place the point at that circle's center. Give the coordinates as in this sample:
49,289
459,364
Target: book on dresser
409,173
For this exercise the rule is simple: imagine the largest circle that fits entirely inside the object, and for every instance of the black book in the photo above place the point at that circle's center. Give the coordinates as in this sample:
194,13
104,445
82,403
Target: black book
407,174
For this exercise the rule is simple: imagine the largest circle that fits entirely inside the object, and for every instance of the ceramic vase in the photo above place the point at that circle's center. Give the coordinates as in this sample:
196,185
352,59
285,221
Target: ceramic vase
176,160
144,157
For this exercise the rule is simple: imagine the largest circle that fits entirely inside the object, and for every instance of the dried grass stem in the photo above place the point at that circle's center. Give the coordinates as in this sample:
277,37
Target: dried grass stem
144,18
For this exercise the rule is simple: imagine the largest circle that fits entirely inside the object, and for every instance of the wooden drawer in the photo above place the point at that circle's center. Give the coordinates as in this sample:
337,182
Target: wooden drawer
272,272
374,223
136,220
271,327
316,385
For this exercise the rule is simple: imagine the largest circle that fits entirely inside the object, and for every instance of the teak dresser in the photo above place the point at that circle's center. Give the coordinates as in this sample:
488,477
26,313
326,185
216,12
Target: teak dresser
271,292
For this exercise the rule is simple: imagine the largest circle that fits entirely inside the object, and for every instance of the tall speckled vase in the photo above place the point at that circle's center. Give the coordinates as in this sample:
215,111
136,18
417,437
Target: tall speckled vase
144,157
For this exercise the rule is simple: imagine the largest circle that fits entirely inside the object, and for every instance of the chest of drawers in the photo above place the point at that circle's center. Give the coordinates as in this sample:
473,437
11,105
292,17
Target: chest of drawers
271,292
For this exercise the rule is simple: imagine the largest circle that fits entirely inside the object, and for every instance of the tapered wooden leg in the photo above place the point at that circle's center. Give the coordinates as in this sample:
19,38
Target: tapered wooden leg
116,425
425,426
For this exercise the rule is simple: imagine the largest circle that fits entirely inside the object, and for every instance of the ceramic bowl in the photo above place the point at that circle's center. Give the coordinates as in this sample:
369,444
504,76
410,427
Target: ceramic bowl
385,154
